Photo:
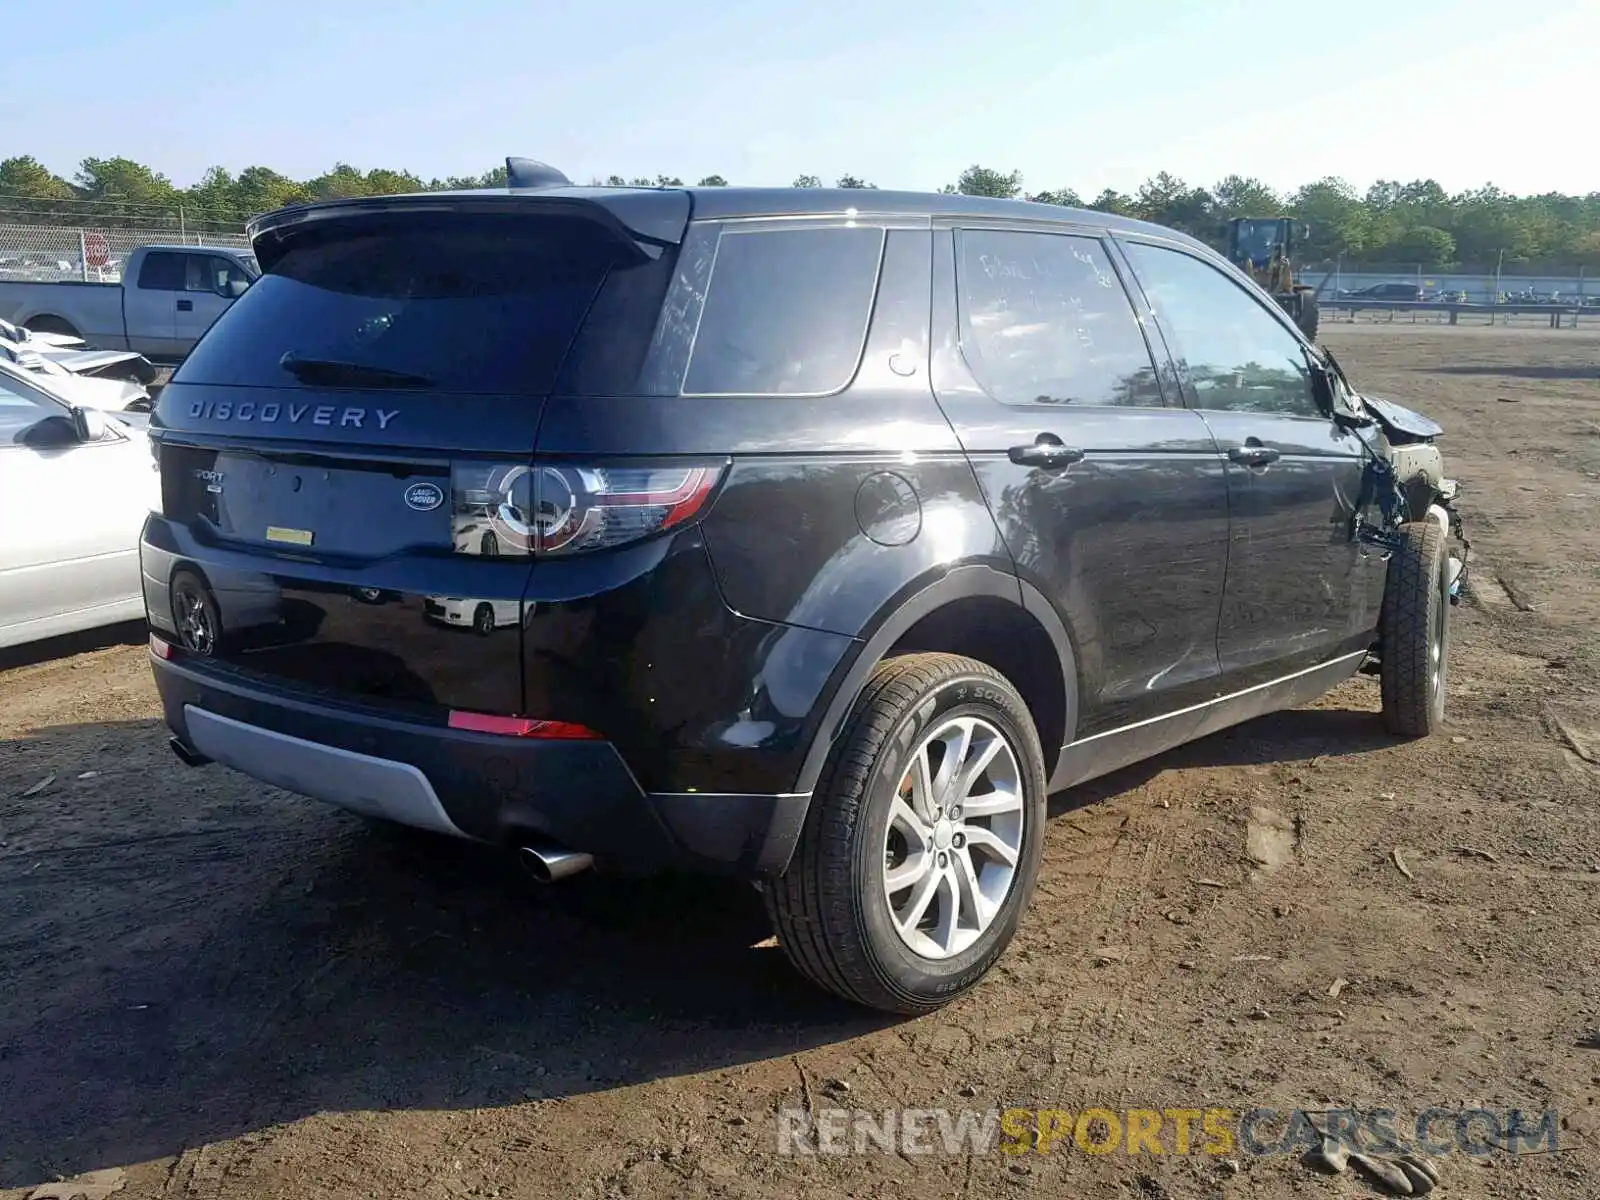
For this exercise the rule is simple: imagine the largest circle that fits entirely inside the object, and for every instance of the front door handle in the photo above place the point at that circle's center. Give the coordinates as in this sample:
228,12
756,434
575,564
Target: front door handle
185,305
1045,451
1254,456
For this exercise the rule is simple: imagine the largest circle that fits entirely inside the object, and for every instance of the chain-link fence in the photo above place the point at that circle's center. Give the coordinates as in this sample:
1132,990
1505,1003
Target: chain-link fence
57,253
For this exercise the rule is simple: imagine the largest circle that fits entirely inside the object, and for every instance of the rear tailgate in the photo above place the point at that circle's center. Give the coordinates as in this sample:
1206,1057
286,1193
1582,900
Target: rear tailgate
345,455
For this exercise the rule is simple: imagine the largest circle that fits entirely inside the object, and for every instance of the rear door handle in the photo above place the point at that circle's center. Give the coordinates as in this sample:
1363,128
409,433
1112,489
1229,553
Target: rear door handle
1254,456
185,305
1046,451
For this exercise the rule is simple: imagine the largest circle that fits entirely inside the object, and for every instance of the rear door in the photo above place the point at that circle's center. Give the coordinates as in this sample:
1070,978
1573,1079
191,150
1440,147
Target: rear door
1300,588
338,446
1110,495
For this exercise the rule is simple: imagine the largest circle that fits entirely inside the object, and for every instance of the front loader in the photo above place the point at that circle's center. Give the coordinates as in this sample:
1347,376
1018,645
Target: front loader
1263,248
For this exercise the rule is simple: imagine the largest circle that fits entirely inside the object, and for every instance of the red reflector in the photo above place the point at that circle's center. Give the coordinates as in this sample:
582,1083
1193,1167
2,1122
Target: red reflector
528,727
162,650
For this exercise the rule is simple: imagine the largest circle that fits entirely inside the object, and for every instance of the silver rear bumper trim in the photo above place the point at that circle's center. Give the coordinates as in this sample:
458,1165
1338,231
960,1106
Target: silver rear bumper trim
374,787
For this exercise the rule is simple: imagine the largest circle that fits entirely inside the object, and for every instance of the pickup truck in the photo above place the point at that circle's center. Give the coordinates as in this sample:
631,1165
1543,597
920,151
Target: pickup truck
167,297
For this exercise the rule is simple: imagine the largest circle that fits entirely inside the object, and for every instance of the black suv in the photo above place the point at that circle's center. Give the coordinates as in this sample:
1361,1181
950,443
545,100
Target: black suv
808,535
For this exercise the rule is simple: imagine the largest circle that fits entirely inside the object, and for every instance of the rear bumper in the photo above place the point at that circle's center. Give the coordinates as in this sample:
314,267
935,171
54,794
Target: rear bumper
486,787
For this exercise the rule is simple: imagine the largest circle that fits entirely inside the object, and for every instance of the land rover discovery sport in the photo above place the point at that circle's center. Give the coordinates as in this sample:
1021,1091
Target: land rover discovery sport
844,526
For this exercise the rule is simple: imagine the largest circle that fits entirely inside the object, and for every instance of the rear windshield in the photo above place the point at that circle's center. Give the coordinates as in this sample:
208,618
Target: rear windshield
458,302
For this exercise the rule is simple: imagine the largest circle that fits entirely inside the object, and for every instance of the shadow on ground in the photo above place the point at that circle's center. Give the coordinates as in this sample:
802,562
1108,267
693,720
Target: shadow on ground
1518,370
1300,733
189,957
129,633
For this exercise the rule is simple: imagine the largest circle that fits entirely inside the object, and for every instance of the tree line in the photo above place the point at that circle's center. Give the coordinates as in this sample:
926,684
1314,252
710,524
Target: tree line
1392,222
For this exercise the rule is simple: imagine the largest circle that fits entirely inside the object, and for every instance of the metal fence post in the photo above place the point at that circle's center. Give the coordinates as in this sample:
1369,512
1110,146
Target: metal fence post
83,255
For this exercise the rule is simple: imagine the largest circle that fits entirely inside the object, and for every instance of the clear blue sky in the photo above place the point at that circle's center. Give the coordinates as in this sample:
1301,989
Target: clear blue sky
902,92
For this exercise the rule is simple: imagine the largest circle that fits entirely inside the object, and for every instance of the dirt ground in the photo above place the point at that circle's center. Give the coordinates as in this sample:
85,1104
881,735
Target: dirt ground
229,992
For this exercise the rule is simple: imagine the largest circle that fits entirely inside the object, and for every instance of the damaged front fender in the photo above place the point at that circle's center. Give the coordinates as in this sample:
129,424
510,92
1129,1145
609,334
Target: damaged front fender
1405,482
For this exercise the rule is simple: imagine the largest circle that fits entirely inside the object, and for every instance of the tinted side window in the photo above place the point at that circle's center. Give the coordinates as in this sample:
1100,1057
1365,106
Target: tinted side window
1045,320
1240,357
786,311
162,272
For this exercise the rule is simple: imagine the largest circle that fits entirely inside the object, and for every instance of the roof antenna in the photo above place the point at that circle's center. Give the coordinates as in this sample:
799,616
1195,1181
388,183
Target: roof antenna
530,173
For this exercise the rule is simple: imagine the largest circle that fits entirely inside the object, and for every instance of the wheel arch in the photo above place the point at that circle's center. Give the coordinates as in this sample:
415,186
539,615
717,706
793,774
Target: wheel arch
982,613
48,322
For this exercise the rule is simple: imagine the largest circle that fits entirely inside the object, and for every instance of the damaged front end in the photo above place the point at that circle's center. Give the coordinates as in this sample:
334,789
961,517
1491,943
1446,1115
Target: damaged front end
1405,481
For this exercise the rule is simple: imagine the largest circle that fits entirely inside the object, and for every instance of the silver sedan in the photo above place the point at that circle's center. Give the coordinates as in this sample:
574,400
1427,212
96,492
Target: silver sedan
75,486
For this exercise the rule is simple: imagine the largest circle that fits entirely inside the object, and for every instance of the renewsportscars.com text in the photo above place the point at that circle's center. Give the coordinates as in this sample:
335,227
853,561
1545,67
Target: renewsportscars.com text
1153,1131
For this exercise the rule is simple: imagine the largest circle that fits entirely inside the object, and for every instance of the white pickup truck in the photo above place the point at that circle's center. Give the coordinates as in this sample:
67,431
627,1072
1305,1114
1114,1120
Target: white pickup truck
168,297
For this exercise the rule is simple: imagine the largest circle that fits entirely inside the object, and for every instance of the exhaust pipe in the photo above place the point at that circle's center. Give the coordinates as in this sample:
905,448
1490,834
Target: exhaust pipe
186,756
547,864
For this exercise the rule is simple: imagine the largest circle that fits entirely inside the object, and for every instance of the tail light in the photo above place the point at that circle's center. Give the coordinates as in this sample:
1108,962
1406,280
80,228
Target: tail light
561,508
527,727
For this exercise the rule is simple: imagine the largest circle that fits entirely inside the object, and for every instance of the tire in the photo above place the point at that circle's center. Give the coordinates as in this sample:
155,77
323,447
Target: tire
489,545
832,909
1414,632
1309,317
483,620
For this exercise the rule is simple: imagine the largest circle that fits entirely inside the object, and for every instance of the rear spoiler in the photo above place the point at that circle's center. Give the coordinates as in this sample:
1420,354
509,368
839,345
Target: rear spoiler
653,218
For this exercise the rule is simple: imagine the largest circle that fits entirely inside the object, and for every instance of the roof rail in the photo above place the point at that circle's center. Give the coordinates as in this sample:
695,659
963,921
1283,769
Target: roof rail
530,173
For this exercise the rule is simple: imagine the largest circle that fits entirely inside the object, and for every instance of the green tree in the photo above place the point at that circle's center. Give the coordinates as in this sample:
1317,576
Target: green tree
1168,200
341,182
126,192
382,182
1111,201
1586,250
1426,245
1339,220
31,192
213,203
985,181
1392,220
261,189
1237,196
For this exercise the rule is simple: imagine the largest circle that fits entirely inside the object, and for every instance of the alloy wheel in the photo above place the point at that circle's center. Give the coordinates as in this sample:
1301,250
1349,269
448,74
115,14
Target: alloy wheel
953,838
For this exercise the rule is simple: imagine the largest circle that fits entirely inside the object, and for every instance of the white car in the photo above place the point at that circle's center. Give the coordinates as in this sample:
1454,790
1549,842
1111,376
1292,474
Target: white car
76,484
34,350
484,616
107,395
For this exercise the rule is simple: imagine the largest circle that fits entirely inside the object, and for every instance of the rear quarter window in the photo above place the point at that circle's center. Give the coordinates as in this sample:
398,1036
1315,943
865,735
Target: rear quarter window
785,311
